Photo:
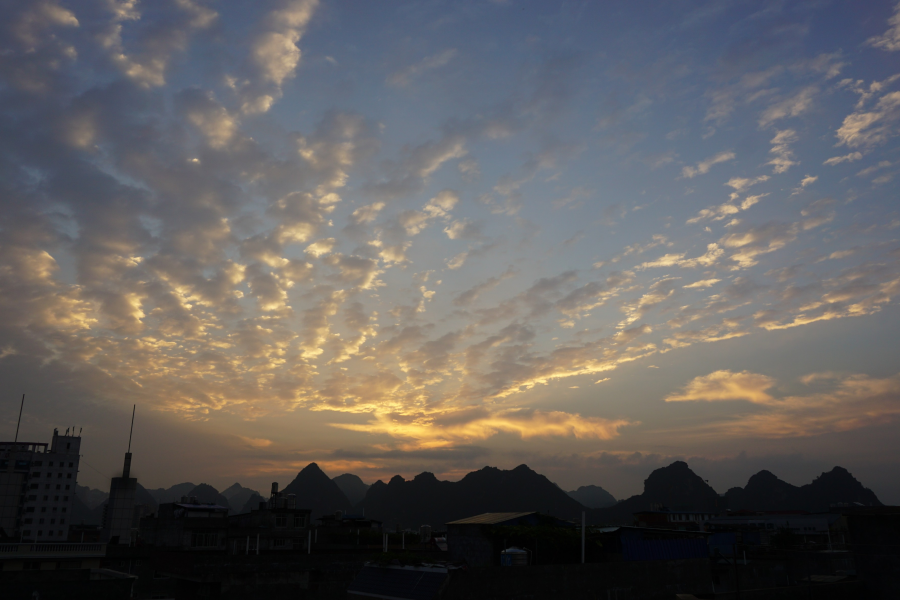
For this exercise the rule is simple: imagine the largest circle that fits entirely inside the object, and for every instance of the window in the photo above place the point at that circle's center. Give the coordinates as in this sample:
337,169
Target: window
50,464
38,463
53,521
68,476
279,542
54,508
62,521
40,521
69,445
34,486
59,475
28,521
40,533
57,487
67,487
71,465
299,520
280,520
27,532
44,508
30,508
64,508
35,474
65,499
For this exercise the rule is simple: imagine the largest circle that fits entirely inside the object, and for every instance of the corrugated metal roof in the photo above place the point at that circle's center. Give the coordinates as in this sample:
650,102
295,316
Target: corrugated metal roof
491,518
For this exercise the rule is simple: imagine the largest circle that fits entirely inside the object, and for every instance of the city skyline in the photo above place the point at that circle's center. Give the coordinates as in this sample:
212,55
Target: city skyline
407,237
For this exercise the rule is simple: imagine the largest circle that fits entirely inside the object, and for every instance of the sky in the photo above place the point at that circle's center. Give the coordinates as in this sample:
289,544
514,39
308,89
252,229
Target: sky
391,237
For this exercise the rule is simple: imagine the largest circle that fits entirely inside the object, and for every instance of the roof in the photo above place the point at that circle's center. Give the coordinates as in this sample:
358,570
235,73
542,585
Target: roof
400,583
674,532
200,506
491,518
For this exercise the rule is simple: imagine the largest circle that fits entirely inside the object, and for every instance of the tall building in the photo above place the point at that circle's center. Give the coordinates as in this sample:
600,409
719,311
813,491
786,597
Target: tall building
119,526
37,487
118,516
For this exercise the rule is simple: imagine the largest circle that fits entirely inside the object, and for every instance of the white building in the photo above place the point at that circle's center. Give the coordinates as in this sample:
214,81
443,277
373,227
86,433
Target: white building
37,487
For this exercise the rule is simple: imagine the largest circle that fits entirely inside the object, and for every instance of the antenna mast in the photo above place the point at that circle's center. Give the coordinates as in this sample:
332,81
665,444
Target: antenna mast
132,424
19,422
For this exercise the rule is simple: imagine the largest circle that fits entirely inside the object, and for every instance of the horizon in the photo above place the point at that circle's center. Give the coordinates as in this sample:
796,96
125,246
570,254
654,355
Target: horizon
590,238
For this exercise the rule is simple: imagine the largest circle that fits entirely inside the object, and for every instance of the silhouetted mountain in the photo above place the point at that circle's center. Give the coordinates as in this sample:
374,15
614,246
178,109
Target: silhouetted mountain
91,498
675,486
427,501
314,490
593,496
352,486
764,491
207,494
81,513
237,496
172,494
252,503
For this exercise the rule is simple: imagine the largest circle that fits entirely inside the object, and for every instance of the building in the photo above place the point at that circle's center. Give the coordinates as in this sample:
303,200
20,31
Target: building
275,526
60,570
186,525
476,540
118,514
643,543
37,487
685,520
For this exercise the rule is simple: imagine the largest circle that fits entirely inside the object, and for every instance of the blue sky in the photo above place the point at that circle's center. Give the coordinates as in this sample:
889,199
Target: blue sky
402,236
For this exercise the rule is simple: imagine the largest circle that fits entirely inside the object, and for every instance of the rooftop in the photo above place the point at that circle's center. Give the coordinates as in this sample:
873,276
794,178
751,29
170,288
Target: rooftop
491,518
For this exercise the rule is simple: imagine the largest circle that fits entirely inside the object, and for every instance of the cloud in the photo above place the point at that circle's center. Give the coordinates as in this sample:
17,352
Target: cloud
789,107
836,160
873,127
740,184
723,211
852,402
890,39
274,55
438,430
156,45
704,166
725,385
404,76
782,160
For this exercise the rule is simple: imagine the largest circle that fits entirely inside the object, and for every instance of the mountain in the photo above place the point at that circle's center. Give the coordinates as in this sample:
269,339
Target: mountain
172,494
674,486
352,486
238,495
425,500
314,490
91,498
207,494
593,496
252,503
764,491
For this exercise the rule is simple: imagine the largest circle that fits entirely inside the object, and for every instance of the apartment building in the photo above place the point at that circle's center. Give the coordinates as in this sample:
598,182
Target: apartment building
37,487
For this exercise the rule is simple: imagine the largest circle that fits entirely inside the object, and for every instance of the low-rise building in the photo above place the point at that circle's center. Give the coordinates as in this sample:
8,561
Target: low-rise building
663,518
186,525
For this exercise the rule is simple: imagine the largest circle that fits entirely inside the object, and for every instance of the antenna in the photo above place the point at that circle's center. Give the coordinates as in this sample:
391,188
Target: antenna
20,420
132,427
